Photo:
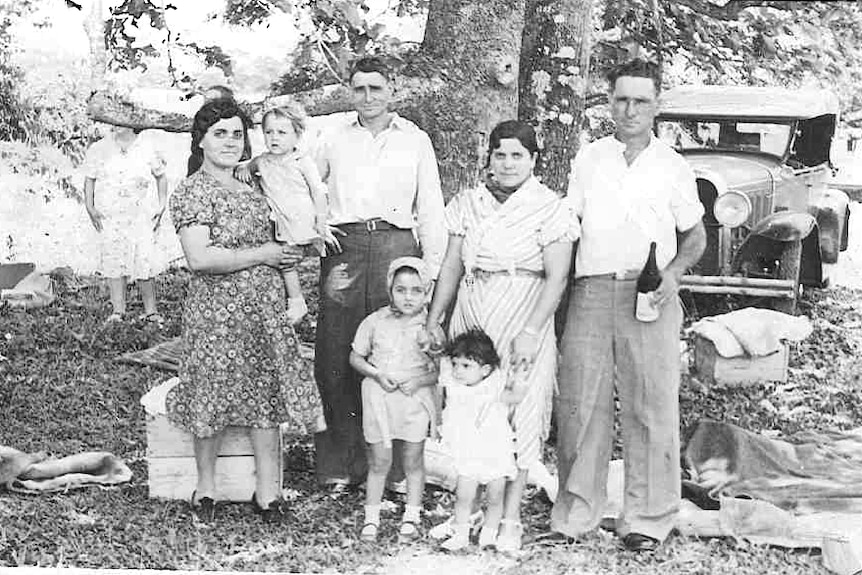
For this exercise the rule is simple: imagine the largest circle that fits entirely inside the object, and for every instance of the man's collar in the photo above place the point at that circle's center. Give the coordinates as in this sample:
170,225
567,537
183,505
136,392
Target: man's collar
395,121
621,146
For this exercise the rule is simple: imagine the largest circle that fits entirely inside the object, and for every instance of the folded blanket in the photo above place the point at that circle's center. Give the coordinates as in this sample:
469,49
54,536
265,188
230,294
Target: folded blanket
752,331
36,473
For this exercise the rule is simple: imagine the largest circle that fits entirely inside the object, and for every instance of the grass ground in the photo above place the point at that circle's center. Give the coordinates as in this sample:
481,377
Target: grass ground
61,391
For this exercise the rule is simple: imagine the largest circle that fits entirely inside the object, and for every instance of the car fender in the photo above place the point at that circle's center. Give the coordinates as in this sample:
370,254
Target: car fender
831,209
784,226
771,240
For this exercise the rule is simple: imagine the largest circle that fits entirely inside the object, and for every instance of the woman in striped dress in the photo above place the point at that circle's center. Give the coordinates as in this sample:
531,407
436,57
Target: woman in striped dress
507,261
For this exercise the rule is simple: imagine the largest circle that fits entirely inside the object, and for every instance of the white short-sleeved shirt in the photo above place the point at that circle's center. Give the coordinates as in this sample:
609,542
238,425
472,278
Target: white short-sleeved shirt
622,207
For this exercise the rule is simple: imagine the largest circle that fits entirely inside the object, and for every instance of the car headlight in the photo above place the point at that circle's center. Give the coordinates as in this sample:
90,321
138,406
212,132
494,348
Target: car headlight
732,209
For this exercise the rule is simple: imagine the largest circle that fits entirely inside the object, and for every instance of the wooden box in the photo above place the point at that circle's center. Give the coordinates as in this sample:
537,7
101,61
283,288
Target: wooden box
733,371
172,473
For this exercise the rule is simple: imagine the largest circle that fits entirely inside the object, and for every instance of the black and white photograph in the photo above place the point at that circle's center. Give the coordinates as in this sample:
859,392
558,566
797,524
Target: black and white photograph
390,287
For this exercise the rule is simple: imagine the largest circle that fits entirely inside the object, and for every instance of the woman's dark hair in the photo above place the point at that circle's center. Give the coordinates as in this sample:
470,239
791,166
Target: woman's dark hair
210,114
513,130
476,345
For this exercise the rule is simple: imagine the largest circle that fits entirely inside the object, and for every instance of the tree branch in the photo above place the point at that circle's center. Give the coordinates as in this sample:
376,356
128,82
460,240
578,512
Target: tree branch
730,10
111,109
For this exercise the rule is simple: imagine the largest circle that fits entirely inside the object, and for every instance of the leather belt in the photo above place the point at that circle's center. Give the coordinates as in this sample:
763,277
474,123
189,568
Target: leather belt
621,276
483,274
372,225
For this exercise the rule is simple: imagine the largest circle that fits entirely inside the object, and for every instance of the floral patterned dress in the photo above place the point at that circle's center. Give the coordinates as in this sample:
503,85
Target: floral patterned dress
241,365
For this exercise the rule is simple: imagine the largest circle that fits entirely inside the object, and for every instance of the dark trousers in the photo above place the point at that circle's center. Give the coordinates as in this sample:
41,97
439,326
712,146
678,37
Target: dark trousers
352,285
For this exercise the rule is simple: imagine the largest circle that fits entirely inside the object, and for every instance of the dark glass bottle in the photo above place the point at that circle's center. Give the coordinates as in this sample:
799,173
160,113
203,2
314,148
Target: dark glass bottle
648,281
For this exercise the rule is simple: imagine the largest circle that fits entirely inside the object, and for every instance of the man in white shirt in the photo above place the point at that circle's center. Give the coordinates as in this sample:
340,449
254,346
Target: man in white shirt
628,190
385,202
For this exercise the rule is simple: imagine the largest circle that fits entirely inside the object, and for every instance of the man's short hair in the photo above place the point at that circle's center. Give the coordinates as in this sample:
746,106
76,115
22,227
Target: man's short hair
369,64
636,68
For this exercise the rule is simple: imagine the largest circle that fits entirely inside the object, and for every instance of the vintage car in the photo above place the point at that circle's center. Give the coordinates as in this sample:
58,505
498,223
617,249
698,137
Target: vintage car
761,157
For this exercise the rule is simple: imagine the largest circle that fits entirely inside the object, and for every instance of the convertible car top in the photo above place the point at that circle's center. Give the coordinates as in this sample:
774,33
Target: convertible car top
740,102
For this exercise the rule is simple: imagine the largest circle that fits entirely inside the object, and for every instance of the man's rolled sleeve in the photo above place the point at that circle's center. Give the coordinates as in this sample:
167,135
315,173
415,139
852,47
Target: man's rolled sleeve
685,203
430,209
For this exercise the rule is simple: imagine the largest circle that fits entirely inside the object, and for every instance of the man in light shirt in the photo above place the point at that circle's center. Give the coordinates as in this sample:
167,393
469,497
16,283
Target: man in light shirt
385,202
628,190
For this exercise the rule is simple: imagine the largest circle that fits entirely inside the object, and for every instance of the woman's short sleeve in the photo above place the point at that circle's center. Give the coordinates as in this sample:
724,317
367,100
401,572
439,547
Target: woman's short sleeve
561,225
192,204
453,216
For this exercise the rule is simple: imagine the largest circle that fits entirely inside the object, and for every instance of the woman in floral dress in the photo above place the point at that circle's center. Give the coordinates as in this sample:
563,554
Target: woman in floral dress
241,365
507,261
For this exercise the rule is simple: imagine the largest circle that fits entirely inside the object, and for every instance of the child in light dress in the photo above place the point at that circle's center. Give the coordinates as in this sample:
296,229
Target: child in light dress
397,392
476,428
294,190
120,172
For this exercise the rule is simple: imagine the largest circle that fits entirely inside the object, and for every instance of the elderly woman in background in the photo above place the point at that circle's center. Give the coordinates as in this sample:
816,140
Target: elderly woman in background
507,261
241,365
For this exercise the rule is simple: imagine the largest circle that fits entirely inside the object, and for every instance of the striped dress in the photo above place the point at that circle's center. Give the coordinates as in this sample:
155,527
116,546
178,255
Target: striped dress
504,276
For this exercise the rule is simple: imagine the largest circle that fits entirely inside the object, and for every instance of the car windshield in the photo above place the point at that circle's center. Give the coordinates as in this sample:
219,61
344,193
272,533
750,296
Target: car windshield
698,134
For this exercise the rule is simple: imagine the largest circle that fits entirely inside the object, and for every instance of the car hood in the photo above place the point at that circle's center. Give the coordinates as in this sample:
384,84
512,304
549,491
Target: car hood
740,171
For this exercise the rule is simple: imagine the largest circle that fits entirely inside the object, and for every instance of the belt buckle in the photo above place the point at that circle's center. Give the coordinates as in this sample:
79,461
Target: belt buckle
371,225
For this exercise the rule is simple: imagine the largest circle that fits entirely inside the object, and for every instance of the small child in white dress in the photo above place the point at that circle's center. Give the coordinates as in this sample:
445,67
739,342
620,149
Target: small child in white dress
477,430
294,190
397,392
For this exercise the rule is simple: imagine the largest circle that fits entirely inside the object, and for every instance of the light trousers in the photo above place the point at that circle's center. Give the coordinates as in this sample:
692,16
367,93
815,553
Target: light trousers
604,347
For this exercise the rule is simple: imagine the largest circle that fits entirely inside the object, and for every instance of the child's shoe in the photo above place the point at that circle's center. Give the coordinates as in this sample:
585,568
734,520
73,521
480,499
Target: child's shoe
488,536
369,532
444,530
459,540
408,532
296,309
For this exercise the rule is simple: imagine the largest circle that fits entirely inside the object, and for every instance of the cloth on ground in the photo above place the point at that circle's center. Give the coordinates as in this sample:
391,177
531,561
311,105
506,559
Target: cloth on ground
811,472
751,331
165,355
23,286
37,473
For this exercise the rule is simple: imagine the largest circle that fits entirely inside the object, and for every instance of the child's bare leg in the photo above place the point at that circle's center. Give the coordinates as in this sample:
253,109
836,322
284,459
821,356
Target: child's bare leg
494,512
379,462
296,306
465,495
414,471
117,287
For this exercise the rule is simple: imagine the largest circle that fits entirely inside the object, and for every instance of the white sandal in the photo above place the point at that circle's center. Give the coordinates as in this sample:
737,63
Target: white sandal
459,540
369,532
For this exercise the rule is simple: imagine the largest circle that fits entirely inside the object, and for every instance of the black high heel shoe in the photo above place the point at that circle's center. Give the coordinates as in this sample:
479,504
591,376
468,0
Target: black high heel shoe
204,509
275,512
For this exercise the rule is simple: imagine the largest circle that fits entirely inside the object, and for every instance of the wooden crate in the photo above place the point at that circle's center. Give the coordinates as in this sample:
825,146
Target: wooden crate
733,371
172,473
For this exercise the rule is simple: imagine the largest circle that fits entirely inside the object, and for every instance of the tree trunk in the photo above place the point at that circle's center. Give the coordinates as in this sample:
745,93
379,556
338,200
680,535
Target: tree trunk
94,26
555,58
475,47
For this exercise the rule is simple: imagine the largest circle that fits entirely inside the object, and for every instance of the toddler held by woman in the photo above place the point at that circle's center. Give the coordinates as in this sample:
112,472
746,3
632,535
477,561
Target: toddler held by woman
294,190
